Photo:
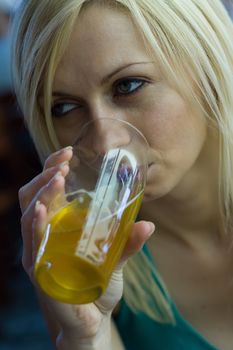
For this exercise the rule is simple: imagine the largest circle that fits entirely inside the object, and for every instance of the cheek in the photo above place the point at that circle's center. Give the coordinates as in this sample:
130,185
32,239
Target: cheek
66,132
170,127
64,135
177,137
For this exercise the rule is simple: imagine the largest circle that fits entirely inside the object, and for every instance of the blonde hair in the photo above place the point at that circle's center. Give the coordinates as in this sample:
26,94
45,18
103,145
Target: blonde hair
191,40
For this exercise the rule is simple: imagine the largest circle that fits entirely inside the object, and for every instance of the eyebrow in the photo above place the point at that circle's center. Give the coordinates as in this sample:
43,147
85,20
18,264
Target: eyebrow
105,79
118,70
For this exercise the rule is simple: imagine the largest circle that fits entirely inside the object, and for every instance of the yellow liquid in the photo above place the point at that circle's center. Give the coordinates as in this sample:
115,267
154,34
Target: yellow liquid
70,278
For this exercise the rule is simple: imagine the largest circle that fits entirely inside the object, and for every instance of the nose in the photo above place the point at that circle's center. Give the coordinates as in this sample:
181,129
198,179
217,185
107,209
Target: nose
110,133
103,134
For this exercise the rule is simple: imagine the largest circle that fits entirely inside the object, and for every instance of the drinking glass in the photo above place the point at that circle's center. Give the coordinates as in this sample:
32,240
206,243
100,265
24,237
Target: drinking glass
91,219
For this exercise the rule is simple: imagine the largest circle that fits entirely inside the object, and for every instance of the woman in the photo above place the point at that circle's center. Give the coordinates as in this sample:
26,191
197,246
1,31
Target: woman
166,67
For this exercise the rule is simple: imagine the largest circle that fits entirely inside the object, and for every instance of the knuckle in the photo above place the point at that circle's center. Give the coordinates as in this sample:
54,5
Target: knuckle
23,197
24,218
21,192
46,164
24,263
24,221
48,161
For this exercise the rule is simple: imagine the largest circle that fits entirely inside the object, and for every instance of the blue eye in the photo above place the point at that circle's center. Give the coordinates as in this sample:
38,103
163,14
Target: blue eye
128,86
61,109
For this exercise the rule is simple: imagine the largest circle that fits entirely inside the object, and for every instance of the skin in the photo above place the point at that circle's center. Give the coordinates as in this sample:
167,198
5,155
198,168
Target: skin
176,137
182,175
70,325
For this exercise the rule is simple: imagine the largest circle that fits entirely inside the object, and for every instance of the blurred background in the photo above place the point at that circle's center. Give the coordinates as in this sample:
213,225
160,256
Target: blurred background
229,6
22,325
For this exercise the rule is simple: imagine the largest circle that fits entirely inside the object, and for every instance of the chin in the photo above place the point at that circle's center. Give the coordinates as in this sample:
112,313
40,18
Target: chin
160,186
153,192
157,187
153,189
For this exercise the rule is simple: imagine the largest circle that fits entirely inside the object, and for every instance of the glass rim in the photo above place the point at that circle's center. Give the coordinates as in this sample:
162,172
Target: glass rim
112,120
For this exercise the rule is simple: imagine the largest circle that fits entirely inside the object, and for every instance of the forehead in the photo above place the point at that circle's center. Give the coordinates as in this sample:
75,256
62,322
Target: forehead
98,21
102,38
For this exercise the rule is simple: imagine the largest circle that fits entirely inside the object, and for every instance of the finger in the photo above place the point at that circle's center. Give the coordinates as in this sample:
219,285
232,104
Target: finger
58,161
32,237
44,197
38,227
27,192
63,155
141,232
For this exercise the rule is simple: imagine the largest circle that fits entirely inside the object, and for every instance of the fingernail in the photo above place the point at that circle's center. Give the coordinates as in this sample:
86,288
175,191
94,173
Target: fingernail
57,176
68,148
60,151
62,165
151,228
37,206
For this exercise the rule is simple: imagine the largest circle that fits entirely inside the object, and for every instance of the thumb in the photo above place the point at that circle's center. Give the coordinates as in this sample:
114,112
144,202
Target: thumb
142,231
140,234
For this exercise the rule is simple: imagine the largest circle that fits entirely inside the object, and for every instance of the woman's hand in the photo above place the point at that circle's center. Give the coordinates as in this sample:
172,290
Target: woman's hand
80,324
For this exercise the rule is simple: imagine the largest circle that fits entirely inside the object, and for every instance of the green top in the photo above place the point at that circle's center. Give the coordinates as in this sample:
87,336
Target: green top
139,332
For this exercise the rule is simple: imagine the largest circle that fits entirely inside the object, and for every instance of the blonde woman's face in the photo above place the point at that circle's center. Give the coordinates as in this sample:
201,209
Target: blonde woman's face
106,72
